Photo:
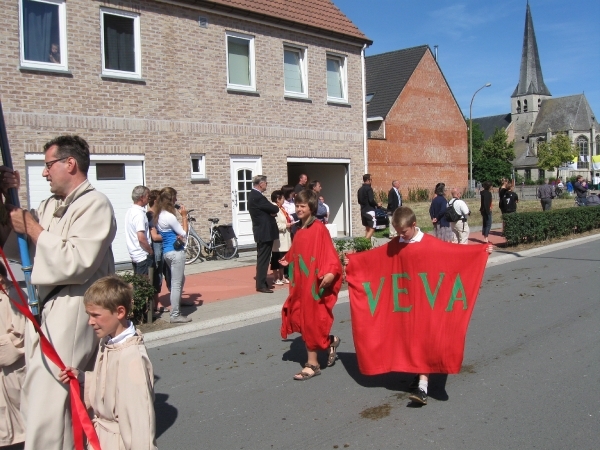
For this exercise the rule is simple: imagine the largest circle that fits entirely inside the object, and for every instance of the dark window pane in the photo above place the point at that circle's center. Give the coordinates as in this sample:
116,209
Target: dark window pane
119,43
248,174
112,171
195,165
41,32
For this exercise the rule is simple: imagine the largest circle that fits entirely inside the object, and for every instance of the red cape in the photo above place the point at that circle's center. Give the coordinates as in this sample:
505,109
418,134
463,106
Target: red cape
306,310
411,304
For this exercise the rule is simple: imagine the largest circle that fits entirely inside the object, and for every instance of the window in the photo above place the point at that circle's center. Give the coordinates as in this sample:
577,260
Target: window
43,34
528,174
110,171
368,98
294,71
582,144
336,79
240,62
598,145
541,174
198,166
524,105
121,51
518,106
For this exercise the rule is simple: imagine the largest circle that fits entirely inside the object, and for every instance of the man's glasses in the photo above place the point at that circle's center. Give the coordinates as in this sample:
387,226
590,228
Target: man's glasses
49,164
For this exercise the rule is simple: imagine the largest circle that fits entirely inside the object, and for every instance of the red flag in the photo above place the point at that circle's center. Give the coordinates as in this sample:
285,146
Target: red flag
308,310
411,304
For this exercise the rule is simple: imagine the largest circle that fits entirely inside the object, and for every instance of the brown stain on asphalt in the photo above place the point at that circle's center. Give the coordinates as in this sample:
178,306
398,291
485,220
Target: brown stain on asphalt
376,412
468,368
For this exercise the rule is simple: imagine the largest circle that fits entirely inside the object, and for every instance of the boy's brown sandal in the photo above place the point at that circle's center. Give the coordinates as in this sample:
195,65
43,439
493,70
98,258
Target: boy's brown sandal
335,342
302,376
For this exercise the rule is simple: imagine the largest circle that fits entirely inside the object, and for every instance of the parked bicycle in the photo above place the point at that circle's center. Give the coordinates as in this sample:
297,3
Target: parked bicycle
222,242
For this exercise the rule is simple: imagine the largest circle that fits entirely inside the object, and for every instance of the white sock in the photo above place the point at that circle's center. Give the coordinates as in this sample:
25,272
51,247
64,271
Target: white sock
423,385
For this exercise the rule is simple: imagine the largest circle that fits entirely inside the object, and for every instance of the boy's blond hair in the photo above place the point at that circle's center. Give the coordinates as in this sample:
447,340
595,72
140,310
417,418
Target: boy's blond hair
109,293
403,217
308,197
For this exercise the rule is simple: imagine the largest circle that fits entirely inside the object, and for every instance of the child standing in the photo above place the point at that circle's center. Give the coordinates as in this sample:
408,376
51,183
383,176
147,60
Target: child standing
120,389
510,200
315,277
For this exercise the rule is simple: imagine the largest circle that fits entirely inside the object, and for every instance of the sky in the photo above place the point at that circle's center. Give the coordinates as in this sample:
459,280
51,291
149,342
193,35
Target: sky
480,41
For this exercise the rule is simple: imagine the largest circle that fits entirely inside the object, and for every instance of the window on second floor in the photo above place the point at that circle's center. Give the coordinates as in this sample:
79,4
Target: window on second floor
43,34
198,166
121,49
337,89
240,62
294,71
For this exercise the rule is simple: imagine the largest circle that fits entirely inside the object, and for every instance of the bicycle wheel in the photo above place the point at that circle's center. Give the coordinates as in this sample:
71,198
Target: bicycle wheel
225,249
192,249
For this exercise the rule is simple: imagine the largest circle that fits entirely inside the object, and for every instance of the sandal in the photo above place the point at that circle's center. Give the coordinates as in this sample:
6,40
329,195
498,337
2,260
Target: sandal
302,376
335,342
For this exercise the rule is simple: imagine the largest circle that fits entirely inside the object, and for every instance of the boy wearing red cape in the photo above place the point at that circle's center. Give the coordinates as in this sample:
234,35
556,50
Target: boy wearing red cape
315,281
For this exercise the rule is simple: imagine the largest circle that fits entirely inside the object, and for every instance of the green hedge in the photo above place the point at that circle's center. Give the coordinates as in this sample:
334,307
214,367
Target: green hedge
543,225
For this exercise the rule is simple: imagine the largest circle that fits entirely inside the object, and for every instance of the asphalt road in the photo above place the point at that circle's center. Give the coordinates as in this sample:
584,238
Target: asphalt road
530,378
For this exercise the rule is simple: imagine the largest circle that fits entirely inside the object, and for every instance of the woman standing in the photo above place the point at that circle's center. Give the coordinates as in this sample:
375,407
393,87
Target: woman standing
437,211
173,235
486,209
283,244
156,246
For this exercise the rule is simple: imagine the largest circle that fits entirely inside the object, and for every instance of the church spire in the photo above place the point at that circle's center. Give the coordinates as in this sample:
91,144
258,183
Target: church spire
531,80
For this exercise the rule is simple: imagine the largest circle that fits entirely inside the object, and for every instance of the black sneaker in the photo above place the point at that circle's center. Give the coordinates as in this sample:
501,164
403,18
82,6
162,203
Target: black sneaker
418,396
414,384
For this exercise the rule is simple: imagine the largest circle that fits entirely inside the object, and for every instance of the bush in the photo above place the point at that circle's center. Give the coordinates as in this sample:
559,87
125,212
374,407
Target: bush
418,195
529,183
381,197
543,225
143,293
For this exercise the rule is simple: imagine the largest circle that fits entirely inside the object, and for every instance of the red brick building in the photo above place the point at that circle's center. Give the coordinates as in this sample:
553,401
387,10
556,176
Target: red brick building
416,131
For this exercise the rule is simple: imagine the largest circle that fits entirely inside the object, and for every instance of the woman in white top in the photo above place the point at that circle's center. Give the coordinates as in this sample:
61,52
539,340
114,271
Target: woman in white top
173,238
283,244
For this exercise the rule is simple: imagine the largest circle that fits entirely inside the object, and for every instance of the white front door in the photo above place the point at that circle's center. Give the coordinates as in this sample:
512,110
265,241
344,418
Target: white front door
243,168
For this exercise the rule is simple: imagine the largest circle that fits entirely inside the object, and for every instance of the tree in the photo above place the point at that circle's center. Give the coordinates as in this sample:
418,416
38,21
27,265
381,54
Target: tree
493,162
478,140
557,152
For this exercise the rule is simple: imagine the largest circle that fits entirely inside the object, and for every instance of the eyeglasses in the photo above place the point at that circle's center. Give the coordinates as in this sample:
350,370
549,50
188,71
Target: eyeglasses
49,164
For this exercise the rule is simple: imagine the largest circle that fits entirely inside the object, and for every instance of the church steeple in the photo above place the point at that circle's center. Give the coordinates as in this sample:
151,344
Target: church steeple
531,80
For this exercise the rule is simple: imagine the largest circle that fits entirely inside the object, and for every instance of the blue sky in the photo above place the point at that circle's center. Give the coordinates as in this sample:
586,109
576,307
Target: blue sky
481,41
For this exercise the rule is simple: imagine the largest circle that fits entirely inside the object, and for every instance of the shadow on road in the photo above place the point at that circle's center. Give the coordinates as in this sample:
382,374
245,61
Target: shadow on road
166,414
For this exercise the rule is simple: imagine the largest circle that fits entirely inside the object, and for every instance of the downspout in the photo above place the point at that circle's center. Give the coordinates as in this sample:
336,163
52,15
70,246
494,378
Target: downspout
364,105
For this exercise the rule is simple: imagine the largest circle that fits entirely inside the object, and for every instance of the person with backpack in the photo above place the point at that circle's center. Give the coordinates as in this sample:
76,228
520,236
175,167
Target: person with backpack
456,214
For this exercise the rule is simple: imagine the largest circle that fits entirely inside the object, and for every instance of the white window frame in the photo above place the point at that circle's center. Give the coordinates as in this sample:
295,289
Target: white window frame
62,24
250,39
344,75
137,74
303,70
200,174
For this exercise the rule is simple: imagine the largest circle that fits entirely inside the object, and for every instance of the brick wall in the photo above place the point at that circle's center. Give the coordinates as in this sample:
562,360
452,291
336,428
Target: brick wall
426,136
182,106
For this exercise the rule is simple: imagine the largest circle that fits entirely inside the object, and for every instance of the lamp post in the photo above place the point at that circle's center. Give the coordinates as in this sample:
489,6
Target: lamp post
471,135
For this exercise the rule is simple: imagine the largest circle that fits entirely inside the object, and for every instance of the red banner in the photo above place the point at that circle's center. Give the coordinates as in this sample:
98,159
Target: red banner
411,304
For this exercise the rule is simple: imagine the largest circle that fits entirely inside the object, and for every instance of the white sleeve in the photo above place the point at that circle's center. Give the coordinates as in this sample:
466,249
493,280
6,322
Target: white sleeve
167,221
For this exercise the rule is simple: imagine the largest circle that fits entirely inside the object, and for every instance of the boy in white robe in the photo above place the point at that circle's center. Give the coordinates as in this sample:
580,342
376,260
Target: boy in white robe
120,389
12,364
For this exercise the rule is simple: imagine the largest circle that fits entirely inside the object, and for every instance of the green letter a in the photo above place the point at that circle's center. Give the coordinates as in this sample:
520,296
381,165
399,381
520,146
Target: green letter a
458,294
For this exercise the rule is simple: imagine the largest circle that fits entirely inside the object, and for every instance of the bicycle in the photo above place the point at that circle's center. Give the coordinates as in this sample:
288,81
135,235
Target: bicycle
222,242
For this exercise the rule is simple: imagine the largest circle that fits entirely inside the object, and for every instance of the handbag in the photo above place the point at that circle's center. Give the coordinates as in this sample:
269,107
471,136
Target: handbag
178,244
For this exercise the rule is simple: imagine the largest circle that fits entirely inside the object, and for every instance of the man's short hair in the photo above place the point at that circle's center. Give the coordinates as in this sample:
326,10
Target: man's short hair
302,175
403,217
366,177
138,192
275,195
109,293
73,146
257,179
310,198
579,177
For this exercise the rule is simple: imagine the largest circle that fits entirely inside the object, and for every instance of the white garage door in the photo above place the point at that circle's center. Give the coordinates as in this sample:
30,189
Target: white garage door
114,176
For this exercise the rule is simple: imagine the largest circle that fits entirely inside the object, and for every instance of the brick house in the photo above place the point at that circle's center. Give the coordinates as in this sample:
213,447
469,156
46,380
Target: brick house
197,95
417,133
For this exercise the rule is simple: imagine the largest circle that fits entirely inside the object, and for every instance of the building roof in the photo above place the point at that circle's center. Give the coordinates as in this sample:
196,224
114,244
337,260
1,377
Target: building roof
489,124
531,80
387,74
564,113
321,15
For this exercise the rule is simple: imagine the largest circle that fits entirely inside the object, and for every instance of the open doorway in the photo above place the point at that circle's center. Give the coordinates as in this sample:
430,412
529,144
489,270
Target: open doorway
335,179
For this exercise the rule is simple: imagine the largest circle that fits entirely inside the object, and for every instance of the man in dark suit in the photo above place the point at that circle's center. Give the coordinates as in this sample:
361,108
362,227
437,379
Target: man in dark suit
394,202
264,228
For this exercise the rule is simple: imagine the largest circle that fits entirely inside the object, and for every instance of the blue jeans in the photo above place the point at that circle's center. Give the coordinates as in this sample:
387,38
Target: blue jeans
175,260
158,266
487,223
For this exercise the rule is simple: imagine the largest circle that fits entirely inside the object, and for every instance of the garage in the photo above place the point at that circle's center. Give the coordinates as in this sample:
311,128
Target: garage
113,175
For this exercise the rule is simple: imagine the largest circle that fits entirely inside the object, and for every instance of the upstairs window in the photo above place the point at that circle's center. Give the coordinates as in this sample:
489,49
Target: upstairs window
518,106
240,62
524,105
43,34
583,161
198,166
121,51
294,71
336,79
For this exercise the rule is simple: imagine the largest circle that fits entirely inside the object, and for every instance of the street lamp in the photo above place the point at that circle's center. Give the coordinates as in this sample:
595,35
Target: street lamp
471,135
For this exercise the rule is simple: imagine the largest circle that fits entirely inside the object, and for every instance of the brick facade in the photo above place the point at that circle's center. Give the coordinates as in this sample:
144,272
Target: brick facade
425,136
182,105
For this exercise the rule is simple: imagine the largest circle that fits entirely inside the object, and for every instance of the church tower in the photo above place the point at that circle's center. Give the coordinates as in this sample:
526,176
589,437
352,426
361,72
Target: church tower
531,90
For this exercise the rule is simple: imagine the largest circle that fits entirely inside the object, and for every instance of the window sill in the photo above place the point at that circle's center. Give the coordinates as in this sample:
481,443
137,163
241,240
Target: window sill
199,180
57,71
295,98
106,77
243,92
342,103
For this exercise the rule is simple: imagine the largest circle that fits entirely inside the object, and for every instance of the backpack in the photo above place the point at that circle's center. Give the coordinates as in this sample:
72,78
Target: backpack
451,215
